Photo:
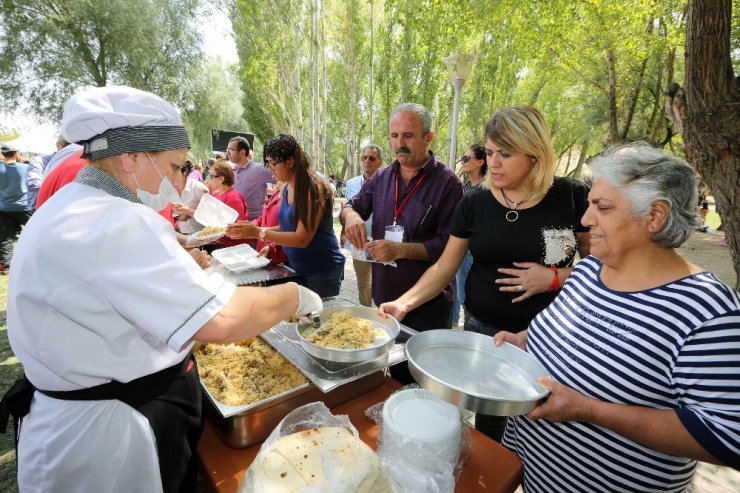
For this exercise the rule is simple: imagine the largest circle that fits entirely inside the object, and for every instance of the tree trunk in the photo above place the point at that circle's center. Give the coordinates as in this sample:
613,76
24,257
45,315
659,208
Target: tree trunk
611,67
711,125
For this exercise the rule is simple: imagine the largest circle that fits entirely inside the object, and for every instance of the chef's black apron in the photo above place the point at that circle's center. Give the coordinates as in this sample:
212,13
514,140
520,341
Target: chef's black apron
170,399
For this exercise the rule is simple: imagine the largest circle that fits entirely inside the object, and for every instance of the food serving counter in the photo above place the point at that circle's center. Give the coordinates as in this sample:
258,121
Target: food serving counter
264,276
491,467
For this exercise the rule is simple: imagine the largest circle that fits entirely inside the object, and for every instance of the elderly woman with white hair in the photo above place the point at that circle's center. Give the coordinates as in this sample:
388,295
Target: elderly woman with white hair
642,345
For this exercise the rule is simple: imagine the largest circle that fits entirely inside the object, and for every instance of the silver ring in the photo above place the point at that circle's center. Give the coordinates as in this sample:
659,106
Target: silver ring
520,287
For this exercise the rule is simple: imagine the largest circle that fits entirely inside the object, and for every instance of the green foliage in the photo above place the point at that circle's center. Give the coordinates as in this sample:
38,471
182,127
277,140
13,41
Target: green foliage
51,48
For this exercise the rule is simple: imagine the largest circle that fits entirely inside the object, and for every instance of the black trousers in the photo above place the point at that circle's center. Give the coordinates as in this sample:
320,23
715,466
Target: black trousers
436,316
11,223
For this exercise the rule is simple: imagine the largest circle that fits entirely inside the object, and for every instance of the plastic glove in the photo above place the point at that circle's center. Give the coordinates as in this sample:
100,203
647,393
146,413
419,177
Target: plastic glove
308,301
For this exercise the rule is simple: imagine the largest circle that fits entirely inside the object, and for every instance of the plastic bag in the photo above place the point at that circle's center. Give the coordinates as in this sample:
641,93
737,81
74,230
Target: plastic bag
355,468
364,255
423,470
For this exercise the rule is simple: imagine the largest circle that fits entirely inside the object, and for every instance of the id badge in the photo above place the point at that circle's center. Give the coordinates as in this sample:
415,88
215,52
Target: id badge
394,233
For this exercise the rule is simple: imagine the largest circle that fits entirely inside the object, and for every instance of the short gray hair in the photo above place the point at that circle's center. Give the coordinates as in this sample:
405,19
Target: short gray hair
646,175
419,110
374,148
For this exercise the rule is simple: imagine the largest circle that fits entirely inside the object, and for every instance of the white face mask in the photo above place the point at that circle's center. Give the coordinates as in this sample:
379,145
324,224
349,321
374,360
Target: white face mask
167,192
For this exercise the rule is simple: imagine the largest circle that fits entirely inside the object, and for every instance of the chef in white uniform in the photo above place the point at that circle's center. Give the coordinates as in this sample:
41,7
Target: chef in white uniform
104,306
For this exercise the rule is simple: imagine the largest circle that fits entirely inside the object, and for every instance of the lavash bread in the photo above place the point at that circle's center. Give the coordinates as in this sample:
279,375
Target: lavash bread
298,461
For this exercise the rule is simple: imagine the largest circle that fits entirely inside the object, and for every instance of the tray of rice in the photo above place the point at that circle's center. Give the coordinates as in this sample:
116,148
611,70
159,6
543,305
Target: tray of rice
250,387
348,334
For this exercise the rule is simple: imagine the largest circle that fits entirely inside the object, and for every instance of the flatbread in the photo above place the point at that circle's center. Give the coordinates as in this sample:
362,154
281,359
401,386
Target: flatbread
297,461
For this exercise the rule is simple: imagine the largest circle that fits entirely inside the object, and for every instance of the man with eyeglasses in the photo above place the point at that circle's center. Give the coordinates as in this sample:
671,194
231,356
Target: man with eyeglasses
251,179
372,159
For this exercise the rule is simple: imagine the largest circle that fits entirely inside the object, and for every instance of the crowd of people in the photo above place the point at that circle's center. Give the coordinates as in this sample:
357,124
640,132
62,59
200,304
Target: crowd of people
641,346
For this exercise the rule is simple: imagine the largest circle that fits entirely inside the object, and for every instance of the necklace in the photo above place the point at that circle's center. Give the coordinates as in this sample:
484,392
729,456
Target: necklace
512,215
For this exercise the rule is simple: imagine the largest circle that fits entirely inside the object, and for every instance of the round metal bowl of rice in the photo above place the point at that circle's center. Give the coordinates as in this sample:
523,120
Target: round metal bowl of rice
386,330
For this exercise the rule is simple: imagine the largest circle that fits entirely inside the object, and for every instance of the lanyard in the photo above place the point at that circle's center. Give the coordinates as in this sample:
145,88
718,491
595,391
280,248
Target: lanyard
399,208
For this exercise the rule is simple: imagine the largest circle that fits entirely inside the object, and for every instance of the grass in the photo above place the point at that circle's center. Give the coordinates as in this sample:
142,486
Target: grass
10,369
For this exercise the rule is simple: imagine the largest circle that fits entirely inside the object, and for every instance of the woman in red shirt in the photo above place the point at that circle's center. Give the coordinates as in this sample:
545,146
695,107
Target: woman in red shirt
221,184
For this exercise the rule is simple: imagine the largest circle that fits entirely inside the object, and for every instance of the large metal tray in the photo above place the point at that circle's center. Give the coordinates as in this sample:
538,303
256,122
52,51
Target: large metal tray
244,426
389,326
469,371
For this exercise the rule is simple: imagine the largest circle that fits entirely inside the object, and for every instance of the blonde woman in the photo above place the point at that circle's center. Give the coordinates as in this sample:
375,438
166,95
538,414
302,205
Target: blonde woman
523,230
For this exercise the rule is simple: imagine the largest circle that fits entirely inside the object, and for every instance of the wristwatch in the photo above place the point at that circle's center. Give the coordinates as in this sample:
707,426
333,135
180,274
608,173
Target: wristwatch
263,233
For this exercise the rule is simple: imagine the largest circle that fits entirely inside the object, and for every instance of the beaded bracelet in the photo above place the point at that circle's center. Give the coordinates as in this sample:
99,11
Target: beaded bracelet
555,285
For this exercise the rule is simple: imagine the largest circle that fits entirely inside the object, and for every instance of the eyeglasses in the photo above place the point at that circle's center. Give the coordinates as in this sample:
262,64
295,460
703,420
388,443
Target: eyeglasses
369,158
271,163
465,158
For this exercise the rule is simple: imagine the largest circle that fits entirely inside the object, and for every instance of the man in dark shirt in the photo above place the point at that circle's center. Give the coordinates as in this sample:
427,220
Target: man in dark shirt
250,178
418,194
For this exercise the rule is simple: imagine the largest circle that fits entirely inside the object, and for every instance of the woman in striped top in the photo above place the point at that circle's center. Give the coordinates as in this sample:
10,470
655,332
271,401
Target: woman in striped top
642,345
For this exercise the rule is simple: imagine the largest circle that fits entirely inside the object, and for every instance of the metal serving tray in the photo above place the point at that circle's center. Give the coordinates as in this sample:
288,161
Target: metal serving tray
389,326
328,375
469,371
244,426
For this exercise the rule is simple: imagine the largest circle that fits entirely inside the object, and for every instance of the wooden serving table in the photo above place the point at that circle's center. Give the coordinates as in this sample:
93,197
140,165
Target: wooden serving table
491,468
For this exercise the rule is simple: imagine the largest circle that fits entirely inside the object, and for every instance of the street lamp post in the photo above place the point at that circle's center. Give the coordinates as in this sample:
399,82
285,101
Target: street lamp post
458,66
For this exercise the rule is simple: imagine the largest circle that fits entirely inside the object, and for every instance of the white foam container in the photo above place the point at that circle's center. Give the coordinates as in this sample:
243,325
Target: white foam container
213,212
239,258
422,427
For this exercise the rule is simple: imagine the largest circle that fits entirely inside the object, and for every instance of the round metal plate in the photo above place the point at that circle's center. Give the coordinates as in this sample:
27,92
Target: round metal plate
469,371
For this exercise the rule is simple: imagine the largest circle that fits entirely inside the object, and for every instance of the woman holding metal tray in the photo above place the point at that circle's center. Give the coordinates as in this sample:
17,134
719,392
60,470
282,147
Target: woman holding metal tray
523,230
642,346
306,225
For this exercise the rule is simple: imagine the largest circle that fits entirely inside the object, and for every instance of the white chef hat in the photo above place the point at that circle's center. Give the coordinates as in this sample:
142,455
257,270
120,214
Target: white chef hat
112,120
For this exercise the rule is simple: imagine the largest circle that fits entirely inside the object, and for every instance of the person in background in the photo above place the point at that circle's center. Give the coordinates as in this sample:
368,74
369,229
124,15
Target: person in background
251,178
306,231
641,345
116,405
269,219
197,172
14,208
523,231
372,160
474,166
222,188
192,192
209,168
36,171
411,202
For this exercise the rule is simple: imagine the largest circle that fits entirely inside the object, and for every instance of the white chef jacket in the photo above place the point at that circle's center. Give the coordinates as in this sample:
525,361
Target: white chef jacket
100,290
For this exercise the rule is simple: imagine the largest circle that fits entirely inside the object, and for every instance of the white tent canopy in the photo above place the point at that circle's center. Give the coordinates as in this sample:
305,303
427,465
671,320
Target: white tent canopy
36,139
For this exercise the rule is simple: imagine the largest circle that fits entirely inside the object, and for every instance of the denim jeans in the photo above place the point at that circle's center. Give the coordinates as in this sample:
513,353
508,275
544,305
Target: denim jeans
491,426
460,278
325,284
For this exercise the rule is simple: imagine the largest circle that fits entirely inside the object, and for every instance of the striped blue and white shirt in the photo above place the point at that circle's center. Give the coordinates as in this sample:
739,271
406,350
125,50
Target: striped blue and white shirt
676,346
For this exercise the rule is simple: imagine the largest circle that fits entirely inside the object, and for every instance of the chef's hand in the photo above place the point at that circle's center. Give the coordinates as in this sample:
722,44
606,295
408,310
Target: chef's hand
201,257
529,278
242,230
265,251
183,211
396,309
354,230
563,403
383,250
308,301
518,339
